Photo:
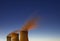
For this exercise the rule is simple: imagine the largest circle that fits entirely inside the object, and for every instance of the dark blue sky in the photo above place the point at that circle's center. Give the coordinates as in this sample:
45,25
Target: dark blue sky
13,15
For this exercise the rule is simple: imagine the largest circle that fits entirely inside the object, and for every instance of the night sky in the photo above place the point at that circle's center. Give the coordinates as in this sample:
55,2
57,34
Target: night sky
13,15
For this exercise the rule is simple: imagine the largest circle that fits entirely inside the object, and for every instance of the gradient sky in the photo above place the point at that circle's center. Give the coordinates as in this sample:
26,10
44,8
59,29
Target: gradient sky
13,15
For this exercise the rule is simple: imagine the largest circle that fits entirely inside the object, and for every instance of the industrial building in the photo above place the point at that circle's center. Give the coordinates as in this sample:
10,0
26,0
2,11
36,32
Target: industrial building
15,36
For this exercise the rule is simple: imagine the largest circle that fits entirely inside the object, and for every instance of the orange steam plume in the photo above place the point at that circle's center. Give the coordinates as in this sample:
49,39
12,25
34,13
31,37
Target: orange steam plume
30,24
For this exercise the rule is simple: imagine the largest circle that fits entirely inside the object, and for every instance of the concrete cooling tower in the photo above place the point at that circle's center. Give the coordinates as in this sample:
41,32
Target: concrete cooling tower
15,37
8,38
23,35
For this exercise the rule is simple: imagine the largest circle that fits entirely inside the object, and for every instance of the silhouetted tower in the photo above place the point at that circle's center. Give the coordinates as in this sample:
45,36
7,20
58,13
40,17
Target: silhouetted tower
23,35
8,38
15,37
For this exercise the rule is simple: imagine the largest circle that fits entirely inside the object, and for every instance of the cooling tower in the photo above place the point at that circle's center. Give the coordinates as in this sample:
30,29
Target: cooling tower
23,35
15,37
8,38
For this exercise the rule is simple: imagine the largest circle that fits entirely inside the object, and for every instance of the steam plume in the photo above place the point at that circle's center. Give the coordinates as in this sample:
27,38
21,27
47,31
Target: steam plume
30,24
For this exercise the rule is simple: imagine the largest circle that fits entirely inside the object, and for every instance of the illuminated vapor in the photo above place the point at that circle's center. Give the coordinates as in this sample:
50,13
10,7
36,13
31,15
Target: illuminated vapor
30,24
